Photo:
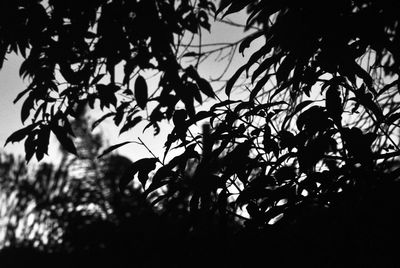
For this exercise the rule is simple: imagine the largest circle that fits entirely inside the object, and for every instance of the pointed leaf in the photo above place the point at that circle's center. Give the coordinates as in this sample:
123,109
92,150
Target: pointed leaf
233,79
260,84
101,119
21,94
112,148
392,118
130,124
265,65
247,41
141,94
236,6
206,88
19,135
26,107
298,108
64,140
285,68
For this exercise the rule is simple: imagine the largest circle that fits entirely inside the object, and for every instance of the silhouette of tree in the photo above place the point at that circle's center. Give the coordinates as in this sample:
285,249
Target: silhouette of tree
56,207
305,137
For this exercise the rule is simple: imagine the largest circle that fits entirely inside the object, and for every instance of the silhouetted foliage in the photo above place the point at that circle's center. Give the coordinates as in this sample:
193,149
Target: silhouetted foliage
304,138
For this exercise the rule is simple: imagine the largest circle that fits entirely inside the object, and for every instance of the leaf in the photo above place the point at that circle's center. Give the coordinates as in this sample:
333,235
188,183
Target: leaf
392,118
96,79
26,107
120,112
19,135
143,167
29,146
112,148
21,94
42,142
264,50
388,86
205,87
198,117
262,181
128,69
101,119
154,186
286,139
312,117
265,65
285,67
192,54
223,103
264,106
333,104
271,145
298,108
363,74
64,140
107,94
223,4
367,101
285,173
260,84
247,41
254,14
141,92
194,89
233,79
235,6
302,105
130,124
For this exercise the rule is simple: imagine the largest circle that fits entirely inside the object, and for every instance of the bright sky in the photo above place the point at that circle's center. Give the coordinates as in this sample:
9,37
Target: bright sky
11,84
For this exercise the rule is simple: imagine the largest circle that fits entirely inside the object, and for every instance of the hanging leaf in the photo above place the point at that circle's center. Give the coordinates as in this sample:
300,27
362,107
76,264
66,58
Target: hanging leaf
27,106
285,68
231,82
42,142
205,87
260,84
256,56
264,66
112,148
141,94
30,146
64,140
130,124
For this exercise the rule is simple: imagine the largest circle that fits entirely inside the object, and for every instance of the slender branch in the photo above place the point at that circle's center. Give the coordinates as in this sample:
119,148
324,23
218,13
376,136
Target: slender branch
148,149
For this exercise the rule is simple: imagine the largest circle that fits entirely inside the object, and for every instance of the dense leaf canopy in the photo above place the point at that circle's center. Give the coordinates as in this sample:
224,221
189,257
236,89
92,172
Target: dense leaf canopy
316,117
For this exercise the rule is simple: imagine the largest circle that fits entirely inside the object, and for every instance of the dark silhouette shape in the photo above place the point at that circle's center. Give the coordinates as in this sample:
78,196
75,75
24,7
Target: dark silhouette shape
316,171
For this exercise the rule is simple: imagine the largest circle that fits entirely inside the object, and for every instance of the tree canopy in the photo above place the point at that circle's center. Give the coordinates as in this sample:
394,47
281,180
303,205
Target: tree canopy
308,123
